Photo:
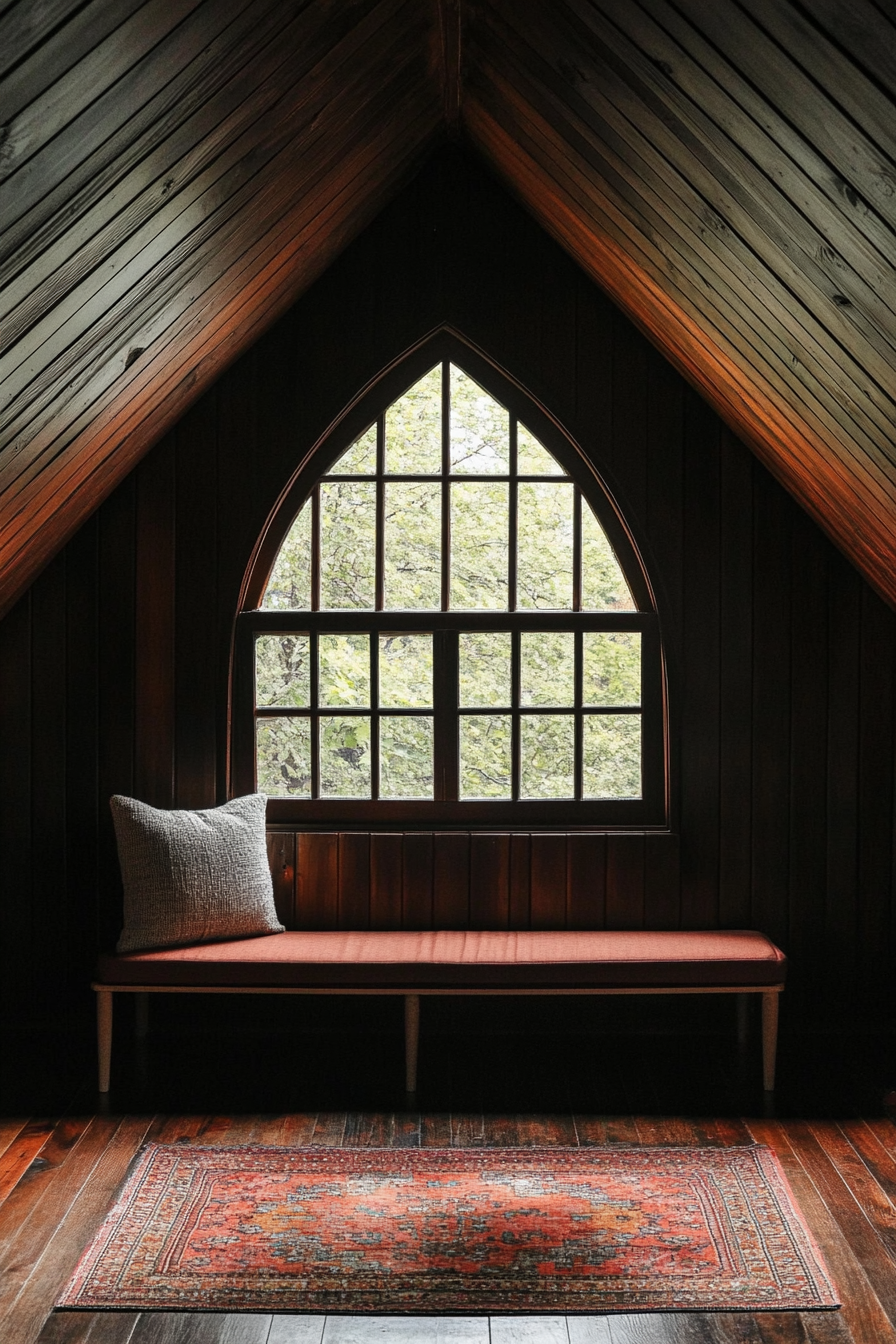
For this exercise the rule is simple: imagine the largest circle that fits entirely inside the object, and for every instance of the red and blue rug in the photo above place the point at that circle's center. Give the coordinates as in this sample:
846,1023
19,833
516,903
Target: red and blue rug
457,1231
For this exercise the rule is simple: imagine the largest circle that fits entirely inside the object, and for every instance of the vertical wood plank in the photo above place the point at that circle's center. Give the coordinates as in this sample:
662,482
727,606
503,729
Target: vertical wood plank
489,881
385,881
556,327
843,782
771,709
877,663
155,649
199,668
586,894
317,891
808,734
240,463
520,881
433,197
451,880
354,880
665,508
494,259
416,881
736,688
282,858
116,651
15,815
625,882
631,360
50,910
700,661
80,825
396,303
594,374
662,882
548,881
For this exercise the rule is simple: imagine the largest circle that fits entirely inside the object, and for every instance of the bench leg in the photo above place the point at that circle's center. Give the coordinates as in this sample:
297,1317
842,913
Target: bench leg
104,1036
769,1038
411,1040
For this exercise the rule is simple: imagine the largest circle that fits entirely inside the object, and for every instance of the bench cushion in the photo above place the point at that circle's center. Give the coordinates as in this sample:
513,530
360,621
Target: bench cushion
462,960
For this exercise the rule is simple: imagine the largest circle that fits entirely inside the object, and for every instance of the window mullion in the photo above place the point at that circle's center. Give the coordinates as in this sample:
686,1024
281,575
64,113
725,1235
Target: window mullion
512,520
315,715
446,725
578,720
577,550
515,727
445,713
446,486
315,549
374,713
380,559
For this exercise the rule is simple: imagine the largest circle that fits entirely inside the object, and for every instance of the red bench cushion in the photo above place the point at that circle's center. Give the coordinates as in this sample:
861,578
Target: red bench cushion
462,960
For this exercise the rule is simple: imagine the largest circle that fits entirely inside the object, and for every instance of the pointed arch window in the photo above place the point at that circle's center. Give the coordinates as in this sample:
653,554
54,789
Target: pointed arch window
453,627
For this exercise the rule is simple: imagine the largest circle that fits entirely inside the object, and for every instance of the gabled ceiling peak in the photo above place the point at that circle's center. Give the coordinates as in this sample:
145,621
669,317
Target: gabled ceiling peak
175,173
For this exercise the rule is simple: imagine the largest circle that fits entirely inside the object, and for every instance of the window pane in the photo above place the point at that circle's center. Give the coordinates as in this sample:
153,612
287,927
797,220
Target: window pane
547,755
413,546
405,671
282,670
611,668
406,757
485,665
479,523
532,458
347,544
283,753
344,670
611,756
480,429
485,755
544,546
344,757
289,587
547,668
360,458
414,428
603,587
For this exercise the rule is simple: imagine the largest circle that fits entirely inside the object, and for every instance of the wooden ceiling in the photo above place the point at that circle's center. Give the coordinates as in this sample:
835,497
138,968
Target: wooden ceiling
174,173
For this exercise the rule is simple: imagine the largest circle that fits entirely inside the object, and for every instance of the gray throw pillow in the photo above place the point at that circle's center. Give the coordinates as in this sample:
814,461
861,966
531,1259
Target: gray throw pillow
193,877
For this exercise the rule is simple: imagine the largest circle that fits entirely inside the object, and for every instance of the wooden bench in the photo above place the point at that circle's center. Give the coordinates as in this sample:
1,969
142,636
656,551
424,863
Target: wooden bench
488,962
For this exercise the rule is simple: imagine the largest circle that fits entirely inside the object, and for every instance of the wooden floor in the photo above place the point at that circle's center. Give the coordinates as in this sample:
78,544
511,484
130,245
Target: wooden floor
491,1075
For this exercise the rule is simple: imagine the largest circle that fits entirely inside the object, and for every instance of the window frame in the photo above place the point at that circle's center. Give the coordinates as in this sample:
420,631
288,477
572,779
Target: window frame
648,812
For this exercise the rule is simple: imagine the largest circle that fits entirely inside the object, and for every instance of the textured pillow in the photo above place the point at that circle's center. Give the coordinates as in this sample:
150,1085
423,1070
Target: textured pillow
193,877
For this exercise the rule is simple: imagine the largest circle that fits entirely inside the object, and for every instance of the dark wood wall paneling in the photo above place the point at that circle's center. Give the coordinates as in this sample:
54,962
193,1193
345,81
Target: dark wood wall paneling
113,669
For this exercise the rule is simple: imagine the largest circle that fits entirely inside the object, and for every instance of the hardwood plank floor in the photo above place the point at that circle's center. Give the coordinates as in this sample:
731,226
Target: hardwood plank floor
492,1075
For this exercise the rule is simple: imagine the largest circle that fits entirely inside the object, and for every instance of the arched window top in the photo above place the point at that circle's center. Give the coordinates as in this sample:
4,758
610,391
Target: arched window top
454,626
462,507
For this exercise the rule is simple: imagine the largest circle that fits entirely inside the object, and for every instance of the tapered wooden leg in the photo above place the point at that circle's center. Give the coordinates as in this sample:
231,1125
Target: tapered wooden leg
104,1035
769,1038
141,1016
411,1039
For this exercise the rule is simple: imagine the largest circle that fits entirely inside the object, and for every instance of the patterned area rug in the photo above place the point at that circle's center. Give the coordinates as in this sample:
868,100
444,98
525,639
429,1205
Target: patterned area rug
469,1231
